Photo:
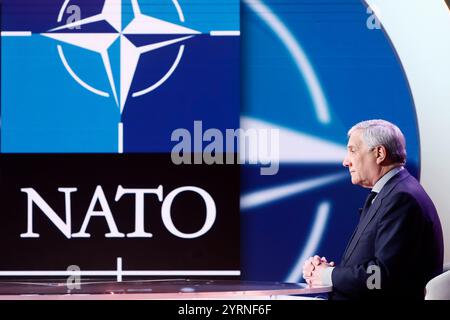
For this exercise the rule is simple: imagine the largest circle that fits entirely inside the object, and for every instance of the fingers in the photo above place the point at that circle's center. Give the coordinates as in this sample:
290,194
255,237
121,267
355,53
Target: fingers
307,275
316,260
307,270
307,262
312,262
312,269
311,281
308,266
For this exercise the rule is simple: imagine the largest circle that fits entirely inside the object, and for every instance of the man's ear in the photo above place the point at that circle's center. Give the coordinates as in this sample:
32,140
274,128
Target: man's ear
381,154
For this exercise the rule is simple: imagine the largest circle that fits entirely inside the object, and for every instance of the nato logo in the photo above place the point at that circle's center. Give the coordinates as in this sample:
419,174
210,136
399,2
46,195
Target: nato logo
115,75
312,71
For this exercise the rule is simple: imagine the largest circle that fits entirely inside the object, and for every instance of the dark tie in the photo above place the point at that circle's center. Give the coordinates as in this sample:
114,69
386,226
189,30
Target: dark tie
368,202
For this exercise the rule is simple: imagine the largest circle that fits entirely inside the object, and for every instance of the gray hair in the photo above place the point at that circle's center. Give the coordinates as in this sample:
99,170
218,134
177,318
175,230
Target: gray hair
383,133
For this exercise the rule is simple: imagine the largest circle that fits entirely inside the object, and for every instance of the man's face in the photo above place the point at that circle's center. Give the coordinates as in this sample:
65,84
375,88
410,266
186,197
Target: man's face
361,161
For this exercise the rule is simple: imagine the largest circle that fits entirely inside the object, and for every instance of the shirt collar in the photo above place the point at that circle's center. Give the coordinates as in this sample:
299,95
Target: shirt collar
384,179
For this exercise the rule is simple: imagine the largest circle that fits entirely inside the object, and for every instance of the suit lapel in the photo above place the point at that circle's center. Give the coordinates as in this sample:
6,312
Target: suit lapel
371,213
344,256
362,226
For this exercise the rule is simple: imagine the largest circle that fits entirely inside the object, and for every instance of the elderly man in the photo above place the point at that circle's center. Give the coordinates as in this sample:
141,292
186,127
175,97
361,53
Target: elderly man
397,246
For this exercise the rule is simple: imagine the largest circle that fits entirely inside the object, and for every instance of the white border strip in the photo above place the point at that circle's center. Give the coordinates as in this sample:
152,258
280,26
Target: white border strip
16,34
119,270
119,273
120,137
225,33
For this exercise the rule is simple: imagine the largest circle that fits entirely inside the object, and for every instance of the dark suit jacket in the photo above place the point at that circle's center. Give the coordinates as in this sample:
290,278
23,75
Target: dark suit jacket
401,235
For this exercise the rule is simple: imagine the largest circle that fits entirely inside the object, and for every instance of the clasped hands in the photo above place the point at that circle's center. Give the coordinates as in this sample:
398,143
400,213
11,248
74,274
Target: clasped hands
312,270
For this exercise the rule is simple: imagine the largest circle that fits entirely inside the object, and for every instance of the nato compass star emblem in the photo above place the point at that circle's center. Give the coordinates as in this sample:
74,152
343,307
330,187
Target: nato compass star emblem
140,36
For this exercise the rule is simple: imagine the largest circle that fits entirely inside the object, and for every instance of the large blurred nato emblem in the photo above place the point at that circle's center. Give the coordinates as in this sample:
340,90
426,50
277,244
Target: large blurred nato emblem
312,71
128,71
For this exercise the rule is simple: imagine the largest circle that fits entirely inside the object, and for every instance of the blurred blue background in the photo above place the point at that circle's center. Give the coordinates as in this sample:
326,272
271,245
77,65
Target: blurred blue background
286,46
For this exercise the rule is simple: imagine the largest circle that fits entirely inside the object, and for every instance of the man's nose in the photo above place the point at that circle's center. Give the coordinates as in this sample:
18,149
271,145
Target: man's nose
346,163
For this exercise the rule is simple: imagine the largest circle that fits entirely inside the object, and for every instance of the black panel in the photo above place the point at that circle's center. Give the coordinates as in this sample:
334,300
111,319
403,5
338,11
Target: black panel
218,249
